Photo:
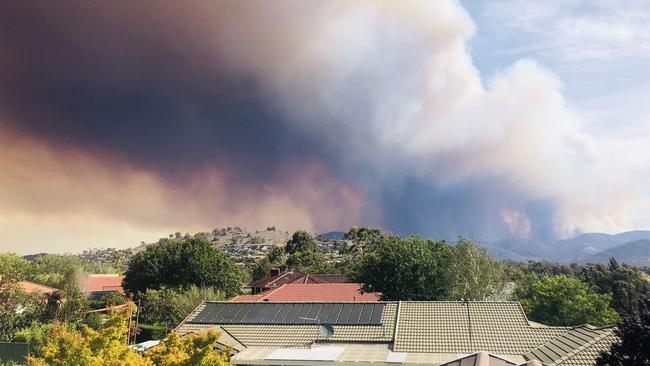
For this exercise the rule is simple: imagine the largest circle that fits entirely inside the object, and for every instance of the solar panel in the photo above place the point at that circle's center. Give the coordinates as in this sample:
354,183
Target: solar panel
290,313
377,311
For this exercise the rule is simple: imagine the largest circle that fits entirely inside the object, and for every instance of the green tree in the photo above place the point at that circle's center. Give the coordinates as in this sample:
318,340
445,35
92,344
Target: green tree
157,307
261,269
301,241
563,300
472,274
309,261
167,307
36,335
633,345
18,309
181,263
277,256
361,237
56,270
627,285
13,267
404,268
191,297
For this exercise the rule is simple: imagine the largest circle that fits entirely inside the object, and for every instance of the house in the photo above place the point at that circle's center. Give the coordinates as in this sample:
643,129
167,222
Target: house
278,278
97,285
327,292
438,333
33,288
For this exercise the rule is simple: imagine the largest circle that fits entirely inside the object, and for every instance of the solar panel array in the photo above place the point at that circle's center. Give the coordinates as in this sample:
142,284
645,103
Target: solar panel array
290,313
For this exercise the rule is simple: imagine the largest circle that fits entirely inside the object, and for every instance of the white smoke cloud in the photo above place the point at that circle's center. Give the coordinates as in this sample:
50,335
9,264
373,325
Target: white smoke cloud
393,86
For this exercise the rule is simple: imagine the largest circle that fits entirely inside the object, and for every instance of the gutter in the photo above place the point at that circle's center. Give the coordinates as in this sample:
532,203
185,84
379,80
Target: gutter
396,327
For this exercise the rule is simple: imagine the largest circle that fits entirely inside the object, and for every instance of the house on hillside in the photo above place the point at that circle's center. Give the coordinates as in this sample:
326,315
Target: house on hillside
277,278
448,333
98,285
325,292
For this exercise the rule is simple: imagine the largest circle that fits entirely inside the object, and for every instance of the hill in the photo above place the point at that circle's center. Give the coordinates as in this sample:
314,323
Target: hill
635,253
577,249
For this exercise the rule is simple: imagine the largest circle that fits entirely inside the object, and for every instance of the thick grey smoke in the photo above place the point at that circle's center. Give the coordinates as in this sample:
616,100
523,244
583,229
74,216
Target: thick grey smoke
382,94
392,85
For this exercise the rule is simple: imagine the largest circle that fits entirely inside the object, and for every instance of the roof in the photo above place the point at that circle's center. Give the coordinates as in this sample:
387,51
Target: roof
294,276
296,334
312,292
31,287
442,326
419,331
103,282
577,346
480,359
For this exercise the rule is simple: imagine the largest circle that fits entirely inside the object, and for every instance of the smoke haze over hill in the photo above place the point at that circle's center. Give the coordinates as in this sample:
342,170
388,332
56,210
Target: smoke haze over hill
124,121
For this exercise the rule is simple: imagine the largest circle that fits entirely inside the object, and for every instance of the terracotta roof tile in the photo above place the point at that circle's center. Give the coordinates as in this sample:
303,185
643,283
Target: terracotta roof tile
103,282
313,292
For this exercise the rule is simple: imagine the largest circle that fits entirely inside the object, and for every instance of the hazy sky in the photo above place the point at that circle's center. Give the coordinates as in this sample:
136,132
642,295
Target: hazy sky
124,121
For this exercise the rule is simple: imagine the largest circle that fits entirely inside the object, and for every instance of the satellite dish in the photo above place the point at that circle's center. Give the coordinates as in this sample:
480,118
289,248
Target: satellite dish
326,330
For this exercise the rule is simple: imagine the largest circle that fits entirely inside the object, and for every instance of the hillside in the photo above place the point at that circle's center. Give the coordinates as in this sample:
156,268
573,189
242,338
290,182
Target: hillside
634,253
579,248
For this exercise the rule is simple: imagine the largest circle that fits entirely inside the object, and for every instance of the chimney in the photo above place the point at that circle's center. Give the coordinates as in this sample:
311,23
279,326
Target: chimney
275,271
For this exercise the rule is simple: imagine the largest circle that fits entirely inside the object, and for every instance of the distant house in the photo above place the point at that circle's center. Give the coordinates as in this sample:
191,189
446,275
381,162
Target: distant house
292,292
278,278
32,287
440,333
98,285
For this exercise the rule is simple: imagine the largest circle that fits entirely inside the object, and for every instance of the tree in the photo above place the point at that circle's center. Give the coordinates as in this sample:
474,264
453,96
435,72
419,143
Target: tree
57,271
261,269
563,300
18,309
309,261
167,307
627,285
188,299
13,267
191,350
181,263
633,333
301,241
106,347
472,274
404,268
361,237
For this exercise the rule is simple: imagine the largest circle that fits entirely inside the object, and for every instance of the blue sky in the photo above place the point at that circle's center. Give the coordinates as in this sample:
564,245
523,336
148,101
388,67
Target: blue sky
600,50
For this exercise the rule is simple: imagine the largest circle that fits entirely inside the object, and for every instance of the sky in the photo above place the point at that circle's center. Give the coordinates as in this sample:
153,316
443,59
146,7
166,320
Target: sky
122,121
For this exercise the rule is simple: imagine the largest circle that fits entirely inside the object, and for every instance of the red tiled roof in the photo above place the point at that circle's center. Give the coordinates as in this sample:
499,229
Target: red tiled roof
103,282
31,287
298,277
312,292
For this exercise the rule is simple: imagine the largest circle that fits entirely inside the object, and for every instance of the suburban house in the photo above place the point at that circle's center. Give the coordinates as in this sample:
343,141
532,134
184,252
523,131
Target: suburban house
31,288
439,333
278,278
97,285
327,292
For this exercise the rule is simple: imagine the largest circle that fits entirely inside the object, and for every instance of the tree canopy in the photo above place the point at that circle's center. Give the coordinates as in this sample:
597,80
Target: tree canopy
181,263
633,333
404,268
301,241
564,300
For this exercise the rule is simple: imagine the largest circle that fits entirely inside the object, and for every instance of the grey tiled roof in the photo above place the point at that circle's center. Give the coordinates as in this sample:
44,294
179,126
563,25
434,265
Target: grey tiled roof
579,346
443,326
439,327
